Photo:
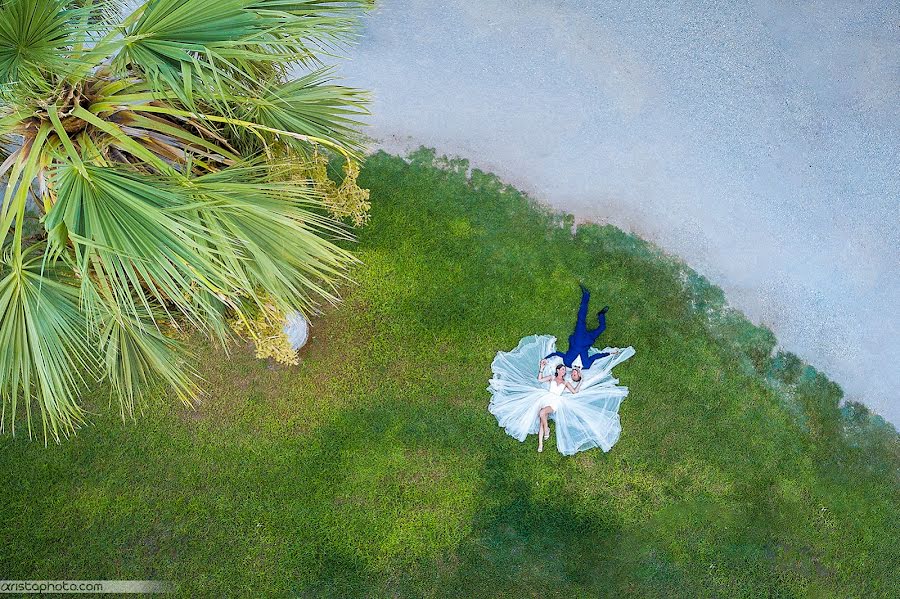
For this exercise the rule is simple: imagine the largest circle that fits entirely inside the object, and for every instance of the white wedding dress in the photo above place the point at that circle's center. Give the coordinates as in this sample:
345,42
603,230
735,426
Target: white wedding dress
586,419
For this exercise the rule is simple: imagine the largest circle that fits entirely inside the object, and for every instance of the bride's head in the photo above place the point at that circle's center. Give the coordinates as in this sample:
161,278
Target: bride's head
560,371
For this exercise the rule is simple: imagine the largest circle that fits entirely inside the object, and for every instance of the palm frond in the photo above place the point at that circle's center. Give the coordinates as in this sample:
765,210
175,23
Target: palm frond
176,44
6,149
324,25
135,243
134,353
44,345
312,107
284,245
25,165
181,45
103,13
35,39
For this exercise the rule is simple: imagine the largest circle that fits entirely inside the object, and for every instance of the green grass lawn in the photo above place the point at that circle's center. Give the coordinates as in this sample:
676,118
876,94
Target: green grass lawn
373,468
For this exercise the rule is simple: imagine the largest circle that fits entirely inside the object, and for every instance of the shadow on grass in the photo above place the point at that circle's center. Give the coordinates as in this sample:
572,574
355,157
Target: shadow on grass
464,514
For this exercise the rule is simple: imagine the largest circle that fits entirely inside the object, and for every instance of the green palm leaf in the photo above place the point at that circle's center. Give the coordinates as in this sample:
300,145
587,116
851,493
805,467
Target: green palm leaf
43,343
282,241
312,107
35,36
132,237
134,353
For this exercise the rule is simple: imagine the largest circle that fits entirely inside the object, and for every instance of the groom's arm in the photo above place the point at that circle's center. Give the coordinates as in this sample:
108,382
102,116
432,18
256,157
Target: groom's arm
593,358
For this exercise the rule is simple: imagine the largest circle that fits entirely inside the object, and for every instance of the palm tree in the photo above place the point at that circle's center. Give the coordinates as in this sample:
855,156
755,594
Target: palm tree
144,159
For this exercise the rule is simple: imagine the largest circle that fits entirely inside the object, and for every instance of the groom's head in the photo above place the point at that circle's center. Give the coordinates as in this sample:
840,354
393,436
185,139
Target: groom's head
576,374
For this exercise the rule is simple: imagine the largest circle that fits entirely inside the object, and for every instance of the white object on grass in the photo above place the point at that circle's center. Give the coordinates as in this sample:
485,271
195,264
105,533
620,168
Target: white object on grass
296,327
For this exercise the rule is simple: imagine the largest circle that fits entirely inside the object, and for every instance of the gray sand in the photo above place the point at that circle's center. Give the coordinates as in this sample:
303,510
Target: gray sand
757,140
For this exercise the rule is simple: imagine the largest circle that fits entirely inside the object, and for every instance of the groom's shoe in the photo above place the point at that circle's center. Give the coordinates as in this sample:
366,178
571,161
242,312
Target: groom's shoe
583,288
603,311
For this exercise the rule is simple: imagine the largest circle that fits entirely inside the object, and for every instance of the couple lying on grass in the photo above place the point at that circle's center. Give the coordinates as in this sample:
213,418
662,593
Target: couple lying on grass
575,388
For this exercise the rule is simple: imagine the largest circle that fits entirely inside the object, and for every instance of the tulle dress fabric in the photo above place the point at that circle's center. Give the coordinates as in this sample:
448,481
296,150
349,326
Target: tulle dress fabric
584,420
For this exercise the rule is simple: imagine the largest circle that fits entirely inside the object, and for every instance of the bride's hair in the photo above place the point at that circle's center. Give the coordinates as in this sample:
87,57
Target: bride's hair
558,366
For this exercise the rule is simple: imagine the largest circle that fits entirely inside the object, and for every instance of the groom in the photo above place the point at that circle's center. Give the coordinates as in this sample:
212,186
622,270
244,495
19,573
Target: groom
581,340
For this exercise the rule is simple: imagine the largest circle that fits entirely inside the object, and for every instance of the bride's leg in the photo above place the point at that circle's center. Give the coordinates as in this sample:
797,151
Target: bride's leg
544,427
541,436
541,430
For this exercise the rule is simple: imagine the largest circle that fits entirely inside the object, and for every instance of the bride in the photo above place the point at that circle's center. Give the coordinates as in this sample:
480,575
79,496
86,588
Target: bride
584,406
550,401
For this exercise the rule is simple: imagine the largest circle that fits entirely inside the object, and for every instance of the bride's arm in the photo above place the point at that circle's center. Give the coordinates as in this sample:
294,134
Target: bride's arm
540,378
575,388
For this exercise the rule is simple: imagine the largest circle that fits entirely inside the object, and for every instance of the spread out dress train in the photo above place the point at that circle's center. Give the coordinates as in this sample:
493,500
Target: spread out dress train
584,420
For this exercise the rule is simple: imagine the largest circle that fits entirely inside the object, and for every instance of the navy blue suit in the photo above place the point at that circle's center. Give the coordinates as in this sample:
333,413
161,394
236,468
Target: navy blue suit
581,340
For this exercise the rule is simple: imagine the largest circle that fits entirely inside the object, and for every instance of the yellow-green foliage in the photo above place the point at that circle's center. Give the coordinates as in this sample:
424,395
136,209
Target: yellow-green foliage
266,332
345,201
